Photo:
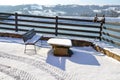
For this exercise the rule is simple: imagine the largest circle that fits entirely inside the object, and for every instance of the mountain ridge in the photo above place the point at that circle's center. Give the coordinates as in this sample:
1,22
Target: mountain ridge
64,10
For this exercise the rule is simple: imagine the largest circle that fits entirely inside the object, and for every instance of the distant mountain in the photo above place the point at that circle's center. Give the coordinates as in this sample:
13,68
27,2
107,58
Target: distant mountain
64,10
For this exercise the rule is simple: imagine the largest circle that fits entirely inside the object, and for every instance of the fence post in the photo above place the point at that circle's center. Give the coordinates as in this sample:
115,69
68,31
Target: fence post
95,18
56,26
16,22
101,26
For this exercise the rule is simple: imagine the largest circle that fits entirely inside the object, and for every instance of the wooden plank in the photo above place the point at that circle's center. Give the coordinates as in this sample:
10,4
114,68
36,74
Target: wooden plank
7,28
35,21
2,13
46,32
36,26
6,23
75,19
78,35
1,18
112,29
38,31
111,35
79,25
35,16
77,30
111,41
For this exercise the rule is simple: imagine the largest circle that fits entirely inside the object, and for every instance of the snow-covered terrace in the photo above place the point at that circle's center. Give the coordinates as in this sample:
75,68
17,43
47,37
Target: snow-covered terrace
85,63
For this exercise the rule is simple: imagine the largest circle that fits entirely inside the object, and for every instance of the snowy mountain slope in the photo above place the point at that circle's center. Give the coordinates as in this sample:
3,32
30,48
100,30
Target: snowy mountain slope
64,10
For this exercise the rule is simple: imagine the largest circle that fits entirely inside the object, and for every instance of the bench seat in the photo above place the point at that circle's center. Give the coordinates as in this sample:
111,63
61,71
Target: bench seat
33,40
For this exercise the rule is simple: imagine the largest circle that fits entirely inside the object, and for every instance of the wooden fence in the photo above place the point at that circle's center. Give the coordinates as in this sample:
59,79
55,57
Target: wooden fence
57,26
112,34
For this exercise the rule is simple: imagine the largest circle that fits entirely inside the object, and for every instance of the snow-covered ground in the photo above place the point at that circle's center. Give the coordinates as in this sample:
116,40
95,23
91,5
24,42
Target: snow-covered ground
85,63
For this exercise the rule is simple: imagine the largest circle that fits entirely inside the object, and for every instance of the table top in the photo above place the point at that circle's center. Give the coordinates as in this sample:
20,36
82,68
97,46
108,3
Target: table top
59,41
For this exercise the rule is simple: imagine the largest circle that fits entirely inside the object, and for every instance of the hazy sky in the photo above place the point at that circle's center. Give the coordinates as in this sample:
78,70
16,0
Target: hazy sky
63,2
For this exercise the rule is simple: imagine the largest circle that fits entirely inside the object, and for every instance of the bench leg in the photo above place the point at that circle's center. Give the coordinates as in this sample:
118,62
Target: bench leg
34,49
25,49
41,42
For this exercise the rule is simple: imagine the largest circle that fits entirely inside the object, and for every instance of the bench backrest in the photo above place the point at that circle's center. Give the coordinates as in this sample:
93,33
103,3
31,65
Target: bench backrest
28,35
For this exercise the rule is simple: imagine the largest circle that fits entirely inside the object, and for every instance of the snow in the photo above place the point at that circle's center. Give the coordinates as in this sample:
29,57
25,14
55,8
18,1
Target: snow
46,12
19,12
106,46
60,41
49,5
60,12
112,8
3,76
118,11
25,8
84,64
49,12
34,7
35,12
98,11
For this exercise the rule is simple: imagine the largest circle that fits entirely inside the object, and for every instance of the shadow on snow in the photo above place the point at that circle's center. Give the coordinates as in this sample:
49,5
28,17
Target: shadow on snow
81,55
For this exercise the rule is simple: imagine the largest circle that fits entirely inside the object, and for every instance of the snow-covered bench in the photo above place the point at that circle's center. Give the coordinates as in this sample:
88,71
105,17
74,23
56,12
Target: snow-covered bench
60,46
30,38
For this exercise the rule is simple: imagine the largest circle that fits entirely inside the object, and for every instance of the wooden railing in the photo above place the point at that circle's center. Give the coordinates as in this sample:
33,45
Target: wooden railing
57,26
112,34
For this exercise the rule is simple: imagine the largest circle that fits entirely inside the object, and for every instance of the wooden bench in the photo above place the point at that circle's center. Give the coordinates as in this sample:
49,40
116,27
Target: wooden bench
30,38
60,46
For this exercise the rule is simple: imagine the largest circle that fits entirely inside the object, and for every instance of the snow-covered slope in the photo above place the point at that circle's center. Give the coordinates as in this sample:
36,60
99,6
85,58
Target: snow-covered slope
64,10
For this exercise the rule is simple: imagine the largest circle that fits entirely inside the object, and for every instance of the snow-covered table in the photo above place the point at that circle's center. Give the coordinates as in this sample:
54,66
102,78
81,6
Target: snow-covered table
60,46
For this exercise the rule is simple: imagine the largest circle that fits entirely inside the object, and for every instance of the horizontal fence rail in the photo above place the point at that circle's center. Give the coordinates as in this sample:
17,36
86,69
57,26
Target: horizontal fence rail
111,29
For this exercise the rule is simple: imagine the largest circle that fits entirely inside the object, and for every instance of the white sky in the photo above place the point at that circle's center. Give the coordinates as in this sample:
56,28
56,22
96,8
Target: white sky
63,2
